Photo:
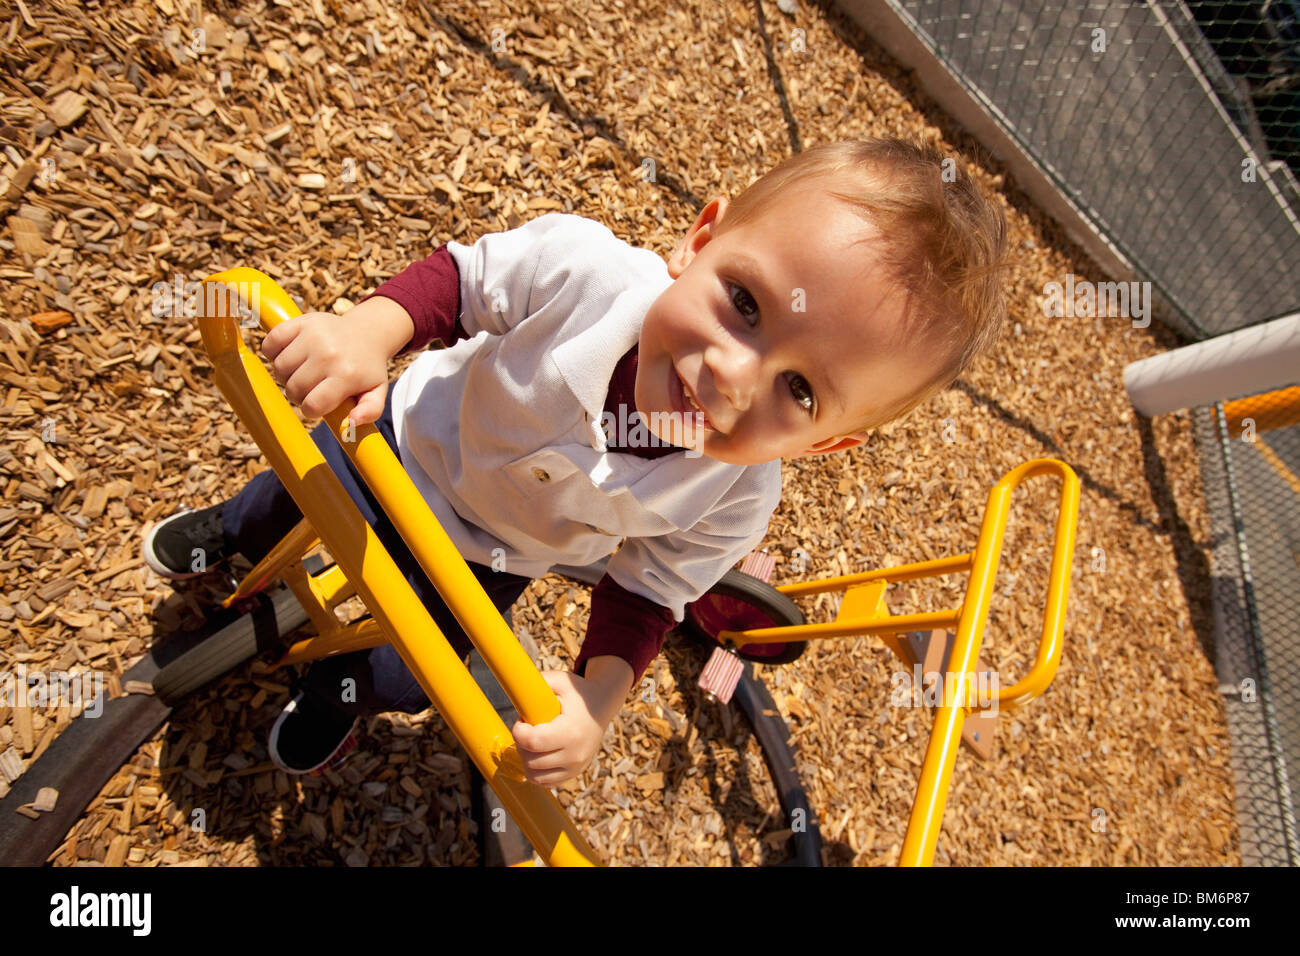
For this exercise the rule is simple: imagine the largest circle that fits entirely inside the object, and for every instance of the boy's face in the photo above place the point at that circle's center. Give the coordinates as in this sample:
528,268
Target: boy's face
782,329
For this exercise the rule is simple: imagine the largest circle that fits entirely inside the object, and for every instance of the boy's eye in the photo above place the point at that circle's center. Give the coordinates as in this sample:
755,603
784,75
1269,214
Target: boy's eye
746,305
743,301
803,394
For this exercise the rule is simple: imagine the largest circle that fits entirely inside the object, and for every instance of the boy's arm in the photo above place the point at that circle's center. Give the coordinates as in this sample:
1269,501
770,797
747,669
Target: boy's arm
428,294
625,633
613,675
499,280
623,627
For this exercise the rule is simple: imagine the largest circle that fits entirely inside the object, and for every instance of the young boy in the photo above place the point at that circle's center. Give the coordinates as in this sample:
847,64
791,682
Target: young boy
591,396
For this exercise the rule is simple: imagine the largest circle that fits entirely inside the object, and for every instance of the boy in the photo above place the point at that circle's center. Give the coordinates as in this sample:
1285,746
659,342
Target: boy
833,295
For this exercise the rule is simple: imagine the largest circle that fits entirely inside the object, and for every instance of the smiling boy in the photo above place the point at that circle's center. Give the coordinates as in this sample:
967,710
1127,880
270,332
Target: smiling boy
835,294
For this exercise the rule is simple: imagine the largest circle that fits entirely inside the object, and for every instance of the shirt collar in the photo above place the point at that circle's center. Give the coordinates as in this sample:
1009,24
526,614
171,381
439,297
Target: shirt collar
599,365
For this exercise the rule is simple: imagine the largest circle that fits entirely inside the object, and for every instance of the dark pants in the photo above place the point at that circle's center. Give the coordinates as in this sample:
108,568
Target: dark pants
262,513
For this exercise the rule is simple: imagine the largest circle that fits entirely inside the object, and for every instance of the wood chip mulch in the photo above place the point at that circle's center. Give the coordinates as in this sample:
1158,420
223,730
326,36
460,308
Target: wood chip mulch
330,144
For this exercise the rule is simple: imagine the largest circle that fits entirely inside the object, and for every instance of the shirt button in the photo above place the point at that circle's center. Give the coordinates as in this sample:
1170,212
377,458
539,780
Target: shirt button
541,475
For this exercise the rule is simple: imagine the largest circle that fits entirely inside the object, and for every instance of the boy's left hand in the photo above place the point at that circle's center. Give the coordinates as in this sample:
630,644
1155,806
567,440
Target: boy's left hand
562,748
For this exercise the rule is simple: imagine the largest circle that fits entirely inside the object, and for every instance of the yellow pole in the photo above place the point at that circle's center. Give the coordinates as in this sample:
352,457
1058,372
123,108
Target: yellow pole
258,402
1276,409
941,753
932,792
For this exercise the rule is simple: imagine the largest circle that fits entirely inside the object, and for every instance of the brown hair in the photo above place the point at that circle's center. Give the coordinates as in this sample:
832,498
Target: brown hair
939,237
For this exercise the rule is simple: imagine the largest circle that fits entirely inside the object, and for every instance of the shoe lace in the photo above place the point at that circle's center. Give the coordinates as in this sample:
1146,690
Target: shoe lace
210,524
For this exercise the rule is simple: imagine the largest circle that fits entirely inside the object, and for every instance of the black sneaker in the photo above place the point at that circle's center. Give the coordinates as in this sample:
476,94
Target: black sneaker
169,549
310,736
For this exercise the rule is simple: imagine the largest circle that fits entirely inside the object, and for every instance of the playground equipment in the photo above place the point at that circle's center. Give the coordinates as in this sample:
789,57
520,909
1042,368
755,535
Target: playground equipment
742,617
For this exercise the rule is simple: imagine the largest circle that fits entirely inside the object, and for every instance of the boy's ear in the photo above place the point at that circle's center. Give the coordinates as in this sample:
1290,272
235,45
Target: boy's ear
706,224
834,444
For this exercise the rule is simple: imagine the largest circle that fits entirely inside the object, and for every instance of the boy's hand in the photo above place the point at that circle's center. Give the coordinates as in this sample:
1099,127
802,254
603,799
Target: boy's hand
321,358
562,748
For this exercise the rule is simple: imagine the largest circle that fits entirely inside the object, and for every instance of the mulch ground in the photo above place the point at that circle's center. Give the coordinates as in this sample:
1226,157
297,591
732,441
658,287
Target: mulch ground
329,145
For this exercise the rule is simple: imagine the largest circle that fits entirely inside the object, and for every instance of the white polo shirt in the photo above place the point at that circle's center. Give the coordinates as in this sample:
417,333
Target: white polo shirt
501,431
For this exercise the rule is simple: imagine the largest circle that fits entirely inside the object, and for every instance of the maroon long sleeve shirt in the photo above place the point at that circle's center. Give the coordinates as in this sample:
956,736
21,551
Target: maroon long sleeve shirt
622,624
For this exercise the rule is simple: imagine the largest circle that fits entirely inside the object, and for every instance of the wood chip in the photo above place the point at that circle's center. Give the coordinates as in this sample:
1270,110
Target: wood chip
67,108
46,322
11,765
27,236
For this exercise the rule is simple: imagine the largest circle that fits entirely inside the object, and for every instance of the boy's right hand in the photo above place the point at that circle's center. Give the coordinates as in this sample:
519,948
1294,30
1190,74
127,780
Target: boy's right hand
321,358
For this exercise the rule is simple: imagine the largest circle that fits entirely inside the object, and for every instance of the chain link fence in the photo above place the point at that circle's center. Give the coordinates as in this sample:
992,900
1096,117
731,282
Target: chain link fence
1250,463
1174,129
1172,126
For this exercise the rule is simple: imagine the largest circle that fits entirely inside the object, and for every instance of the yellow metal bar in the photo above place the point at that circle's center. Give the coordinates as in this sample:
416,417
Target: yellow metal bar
358,636
1266,411
923,621
287,551
267,415
936,770
904,572
1058,580
410,515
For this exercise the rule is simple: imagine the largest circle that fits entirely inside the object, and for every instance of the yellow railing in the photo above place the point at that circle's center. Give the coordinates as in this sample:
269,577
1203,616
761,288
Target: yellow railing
863,611
364,565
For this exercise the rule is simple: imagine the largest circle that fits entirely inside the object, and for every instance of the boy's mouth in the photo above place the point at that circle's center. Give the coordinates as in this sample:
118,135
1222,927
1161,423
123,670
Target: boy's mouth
686,404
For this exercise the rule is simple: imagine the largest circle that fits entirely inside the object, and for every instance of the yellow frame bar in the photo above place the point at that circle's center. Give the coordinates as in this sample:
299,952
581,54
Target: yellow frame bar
940,757
941,754
267,415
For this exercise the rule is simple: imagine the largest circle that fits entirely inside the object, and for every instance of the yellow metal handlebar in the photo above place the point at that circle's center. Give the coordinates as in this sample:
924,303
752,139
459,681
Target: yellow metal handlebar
867,614
981,563
1058,577
260,405
941,753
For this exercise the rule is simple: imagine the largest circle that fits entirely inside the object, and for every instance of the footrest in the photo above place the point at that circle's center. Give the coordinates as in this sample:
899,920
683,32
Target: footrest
930,651
721,675
758,564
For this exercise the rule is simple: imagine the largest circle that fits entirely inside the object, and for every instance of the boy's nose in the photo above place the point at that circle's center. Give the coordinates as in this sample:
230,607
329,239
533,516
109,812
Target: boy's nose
732,371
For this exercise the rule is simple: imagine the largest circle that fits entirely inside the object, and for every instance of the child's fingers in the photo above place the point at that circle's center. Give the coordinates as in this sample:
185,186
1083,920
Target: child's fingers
538,739
556,761
369,406
551,778
279,337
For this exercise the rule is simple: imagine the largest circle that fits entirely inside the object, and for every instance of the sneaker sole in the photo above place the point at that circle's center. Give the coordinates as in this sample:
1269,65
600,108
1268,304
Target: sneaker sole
151,558
348,744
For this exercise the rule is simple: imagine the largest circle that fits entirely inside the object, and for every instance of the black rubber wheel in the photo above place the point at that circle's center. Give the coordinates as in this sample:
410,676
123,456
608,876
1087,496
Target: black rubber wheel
741,602
83,758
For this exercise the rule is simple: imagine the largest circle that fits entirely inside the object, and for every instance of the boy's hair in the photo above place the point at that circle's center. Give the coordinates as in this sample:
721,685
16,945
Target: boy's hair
941,239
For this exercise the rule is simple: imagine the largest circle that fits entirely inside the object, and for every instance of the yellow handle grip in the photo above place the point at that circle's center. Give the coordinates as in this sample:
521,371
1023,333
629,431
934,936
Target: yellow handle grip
995,518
